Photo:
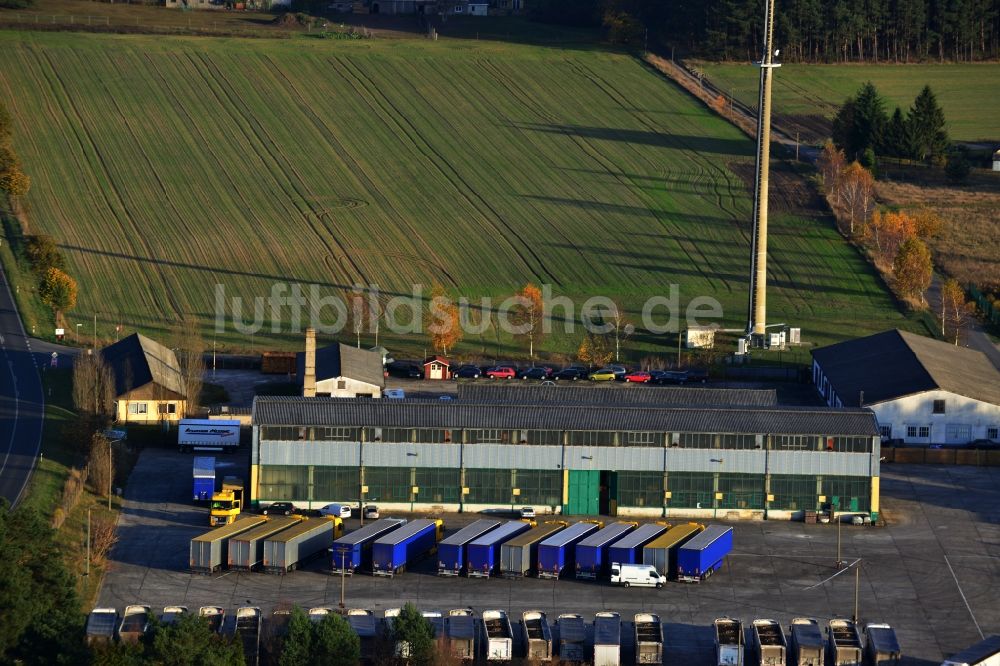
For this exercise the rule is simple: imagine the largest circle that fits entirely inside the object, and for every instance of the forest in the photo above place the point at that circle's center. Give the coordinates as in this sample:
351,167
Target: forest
869,31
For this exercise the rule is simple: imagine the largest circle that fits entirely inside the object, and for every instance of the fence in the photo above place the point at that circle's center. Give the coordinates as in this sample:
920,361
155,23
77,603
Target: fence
926,456
990,312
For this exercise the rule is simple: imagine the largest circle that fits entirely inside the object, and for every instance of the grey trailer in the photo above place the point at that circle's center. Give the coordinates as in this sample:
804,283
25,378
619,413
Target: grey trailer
452,551
461,627
537,636
135,623
607,639
318,613
215,616
769,643
436,620
289,548
210,551
807,646
648,638
572,638
248,620
172,613
363,623
101,626
728,642
246,550
843,643
499,635
519,556
881,645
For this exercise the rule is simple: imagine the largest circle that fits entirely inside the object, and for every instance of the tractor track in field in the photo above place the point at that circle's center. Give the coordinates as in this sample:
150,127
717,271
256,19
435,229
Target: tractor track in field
128,219
357,169
279,158
528,256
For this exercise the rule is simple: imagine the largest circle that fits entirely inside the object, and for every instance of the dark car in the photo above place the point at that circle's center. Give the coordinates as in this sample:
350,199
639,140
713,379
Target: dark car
534,373
668,376
279,509
570,374
467,372
406,369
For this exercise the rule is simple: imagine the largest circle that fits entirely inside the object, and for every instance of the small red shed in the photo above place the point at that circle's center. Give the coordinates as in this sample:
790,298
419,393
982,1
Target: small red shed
437,367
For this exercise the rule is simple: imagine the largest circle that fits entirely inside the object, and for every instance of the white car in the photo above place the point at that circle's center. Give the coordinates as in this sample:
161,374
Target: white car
528,512
371,512
341,510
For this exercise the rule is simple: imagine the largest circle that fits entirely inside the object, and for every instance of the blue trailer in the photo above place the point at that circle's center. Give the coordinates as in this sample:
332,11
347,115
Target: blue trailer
702,555
392,552
628,550
452,551
556,553
592,553
353,552
483,554
204,478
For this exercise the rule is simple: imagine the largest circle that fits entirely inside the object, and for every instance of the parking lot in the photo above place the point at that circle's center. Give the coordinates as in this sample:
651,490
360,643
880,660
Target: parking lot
932,573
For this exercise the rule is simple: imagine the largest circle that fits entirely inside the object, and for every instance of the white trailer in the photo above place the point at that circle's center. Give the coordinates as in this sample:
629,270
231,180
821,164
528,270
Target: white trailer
499,635
728,642
208,435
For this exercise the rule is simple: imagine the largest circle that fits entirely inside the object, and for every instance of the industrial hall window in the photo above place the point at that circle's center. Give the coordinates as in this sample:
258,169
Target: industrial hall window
739,442
794,443
695,440
487,436
396,435
642,439
991,433
939,406
338,434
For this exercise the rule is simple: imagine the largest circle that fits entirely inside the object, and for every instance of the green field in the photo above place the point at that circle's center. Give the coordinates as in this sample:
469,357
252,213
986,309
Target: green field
165,166
968,93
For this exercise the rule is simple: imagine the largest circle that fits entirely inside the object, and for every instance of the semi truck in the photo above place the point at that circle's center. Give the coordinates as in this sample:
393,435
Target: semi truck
288,549
769,643
983,653
499,635
843,643
436,620
661,552
483,554
881,645
203,473
462,633
453,550
135,623
728,641
557,553
806,642
572,638
248,620
101,626
353,552
208,435
318,613
363,623
702,555
215,616
648,638
172,613
227,503
592,552
607,639
629,549
246,550
392,552
537,636
519,556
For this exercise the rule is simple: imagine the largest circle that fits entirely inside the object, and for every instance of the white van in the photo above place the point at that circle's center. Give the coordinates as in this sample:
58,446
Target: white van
640,575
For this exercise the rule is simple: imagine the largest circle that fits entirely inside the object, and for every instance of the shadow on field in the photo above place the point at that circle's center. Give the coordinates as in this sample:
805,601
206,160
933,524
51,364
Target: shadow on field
701,144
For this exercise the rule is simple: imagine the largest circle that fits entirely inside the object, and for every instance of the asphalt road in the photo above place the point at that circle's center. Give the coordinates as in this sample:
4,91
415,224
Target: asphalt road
933,573
22,405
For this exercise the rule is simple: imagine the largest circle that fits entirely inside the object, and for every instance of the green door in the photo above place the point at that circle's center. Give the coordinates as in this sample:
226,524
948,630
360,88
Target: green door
584,492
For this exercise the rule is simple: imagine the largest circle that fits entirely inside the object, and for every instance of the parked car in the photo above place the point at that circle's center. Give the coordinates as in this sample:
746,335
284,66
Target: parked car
602,375
638,377
668,376
371,512
336,509
527,512
406,369
394,394
570,374
501,372
534,373
467,372
619,370
279,509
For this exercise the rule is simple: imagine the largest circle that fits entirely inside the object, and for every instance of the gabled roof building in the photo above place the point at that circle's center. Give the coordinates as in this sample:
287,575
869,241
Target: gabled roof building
148,383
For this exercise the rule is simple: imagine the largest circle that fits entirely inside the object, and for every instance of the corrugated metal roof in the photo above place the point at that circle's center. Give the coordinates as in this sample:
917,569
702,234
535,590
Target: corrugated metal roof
605,536
895,363
574,531
616,395
137,360
456,414
471,532
641,536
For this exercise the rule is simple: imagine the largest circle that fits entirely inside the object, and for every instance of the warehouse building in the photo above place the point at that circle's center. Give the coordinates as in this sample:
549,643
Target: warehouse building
922,391
575,458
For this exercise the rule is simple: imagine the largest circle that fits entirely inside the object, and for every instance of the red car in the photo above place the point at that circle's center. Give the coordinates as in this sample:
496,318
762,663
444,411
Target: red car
501,372
638,377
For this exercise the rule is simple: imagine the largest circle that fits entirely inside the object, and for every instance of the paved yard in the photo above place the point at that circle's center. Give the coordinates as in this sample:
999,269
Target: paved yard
933,573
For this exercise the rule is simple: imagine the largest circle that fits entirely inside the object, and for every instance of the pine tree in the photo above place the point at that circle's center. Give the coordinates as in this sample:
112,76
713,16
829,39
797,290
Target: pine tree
896,138
335,643
926,123
296,649
413,629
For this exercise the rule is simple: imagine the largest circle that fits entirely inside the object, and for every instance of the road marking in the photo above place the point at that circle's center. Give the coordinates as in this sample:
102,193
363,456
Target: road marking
824,582
964,600
13,425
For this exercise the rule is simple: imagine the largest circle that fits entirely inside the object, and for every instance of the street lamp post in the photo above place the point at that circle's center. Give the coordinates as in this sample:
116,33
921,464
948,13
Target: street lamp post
110,473
343,577
78,333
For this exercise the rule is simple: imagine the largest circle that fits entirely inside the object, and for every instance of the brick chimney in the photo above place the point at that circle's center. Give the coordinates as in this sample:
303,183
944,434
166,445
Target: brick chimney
309,375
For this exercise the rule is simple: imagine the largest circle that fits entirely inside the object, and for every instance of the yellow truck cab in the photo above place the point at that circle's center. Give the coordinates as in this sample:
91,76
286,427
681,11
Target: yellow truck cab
227,503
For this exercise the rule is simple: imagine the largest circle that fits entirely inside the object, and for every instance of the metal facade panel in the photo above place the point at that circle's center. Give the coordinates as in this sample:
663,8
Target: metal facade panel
716,460
379,454
820,462
309,453
512,456
614,458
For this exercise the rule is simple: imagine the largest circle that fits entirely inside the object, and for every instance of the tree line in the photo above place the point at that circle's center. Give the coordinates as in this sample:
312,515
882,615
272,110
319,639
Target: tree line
805,30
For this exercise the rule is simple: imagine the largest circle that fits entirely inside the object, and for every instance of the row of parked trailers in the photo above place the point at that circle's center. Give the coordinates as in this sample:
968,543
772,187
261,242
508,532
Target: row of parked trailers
274,544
